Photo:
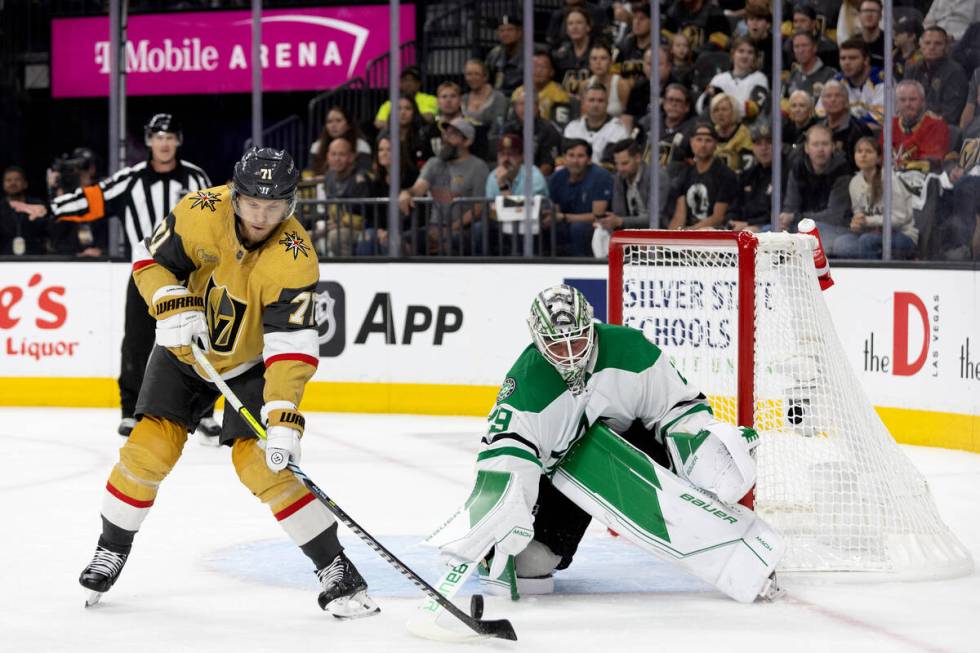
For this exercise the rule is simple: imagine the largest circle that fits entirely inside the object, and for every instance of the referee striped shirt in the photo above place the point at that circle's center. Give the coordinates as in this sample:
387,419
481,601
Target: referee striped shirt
138,195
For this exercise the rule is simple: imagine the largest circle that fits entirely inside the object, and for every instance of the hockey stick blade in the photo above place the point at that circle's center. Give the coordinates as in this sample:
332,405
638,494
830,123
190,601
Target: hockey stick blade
501,629
426,623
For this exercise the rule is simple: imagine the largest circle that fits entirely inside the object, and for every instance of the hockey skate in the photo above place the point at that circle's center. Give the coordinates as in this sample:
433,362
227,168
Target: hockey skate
101,573
126,426
344,592
209,432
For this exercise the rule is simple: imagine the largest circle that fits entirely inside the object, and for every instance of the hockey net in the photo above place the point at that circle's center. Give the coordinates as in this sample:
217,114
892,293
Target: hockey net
742,317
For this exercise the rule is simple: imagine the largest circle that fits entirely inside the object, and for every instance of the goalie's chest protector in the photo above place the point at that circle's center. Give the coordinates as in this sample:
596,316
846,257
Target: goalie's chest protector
630,380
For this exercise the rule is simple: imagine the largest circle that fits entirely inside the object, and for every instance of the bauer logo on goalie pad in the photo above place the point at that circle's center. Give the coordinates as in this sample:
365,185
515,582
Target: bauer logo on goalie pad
329,312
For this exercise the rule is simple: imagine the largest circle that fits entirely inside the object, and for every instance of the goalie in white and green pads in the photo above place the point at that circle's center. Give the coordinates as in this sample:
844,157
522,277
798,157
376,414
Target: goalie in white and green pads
593,421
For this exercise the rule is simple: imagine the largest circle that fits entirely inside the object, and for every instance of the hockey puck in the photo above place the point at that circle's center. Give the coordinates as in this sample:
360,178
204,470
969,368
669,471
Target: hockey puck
476,606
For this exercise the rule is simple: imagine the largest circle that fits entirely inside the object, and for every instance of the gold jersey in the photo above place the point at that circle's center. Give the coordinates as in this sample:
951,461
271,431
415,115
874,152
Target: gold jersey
259,302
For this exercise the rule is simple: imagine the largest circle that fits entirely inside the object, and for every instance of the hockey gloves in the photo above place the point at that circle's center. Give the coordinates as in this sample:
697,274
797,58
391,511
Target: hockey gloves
285,428
717,459
180,321
496,515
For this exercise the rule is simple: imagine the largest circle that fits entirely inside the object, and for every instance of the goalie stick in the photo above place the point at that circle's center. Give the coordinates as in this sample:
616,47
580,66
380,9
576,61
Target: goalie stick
501,628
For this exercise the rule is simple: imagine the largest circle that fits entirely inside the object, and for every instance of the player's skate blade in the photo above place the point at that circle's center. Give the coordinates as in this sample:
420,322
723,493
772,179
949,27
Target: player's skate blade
93,598
356,606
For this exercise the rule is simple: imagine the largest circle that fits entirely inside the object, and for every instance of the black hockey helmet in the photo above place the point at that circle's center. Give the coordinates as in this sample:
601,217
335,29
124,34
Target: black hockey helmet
162,122
268,174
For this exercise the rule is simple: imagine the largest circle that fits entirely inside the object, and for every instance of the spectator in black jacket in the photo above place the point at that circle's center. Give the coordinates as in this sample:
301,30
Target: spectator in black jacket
943,79
817,188
751,210
547,138
23,223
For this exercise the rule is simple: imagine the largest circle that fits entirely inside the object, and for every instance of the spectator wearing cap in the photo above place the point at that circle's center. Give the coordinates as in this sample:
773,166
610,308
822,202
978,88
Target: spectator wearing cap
23,223
556,24
454,173
554,102
907,52
920,138
637,42
409,84
631,190
744,83
817,188
808,72
706,188
751,208
942,78
505,62
451,108
580,191
805,20
507,179
865,85
703,22
846,129
869,19
596,126
483,105
546,137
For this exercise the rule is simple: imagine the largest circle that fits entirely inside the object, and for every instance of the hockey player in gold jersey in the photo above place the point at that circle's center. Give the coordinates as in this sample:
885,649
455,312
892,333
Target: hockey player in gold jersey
231,270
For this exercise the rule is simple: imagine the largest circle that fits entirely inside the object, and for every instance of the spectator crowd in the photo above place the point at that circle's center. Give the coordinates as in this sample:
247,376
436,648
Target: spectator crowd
461,158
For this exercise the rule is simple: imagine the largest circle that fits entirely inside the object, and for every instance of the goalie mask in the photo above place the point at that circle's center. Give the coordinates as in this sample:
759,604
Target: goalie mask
266,174
562,330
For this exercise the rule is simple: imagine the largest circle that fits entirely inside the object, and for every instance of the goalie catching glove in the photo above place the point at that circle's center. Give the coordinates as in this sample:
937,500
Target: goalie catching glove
495,516
285,428
715,456
180,321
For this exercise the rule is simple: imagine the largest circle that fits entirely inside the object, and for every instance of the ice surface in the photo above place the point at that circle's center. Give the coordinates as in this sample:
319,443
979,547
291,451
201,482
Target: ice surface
211,570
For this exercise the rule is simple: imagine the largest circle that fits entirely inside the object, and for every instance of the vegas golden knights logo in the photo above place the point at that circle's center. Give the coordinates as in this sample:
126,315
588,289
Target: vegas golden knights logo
225,314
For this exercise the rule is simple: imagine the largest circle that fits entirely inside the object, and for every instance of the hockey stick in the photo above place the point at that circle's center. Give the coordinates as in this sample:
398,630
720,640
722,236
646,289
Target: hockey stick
501,628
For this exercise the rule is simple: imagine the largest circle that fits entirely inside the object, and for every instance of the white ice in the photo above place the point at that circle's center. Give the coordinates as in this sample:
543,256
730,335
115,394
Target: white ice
211,570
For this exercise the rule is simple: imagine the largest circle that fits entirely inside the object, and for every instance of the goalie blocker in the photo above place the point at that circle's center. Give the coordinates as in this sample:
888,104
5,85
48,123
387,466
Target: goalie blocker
724,544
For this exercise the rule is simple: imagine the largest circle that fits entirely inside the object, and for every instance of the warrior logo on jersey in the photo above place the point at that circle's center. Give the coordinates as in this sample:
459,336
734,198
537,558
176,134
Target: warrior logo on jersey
224,314
294,244
206,200
507,389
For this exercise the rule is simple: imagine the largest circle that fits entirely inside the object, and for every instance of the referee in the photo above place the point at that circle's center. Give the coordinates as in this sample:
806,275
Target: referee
141,195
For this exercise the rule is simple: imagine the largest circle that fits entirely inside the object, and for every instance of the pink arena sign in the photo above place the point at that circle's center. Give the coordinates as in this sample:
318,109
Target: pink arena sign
210,52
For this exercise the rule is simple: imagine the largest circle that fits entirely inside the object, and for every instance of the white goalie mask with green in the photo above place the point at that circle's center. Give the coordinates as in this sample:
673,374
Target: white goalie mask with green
562,330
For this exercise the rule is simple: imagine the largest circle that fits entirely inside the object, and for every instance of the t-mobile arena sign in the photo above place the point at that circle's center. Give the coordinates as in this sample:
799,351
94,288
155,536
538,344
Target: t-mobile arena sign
211,52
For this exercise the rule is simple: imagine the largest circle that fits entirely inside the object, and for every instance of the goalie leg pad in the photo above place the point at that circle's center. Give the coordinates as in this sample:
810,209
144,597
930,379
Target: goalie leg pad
150,452
293,505
725,545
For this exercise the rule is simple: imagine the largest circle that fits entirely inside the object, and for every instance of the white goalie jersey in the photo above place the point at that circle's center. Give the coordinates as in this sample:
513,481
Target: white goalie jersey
537,417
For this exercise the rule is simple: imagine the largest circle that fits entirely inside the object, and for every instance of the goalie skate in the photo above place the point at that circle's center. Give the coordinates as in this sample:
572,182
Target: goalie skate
344,592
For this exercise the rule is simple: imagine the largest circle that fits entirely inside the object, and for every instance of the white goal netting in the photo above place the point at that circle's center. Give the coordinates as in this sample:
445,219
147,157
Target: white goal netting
831,478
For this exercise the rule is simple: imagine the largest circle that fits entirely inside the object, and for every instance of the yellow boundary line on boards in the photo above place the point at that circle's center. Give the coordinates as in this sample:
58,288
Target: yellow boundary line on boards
908,426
